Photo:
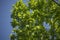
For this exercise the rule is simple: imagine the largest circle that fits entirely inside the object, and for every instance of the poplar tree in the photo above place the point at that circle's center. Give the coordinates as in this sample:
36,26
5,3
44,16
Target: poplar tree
28,19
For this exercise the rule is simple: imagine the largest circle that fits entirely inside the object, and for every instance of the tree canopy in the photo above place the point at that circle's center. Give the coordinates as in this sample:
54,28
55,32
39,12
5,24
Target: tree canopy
28,19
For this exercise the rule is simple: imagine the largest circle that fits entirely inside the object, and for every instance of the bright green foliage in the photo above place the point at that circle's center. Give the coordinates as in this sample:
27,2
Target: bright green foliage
27,20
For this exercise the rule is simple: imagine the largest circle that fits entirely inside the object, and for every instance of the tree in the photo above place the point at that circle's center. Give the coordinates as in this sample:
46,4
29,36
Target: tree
27,20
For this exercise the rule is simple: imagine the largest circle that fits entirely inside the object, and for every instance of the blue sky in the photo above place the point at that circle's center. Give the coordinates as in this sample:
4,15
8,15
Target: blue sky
5,19
5,26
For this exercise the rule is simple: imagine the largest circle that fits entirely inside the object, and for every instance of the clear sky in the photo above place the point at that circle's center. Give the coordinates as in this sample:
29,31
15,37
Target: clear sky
5,26
5,19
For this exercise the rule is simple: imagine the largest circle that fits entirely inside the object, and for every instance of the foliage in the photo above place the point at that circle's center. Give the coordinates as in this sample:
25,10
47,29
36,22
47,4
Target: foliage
27,20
